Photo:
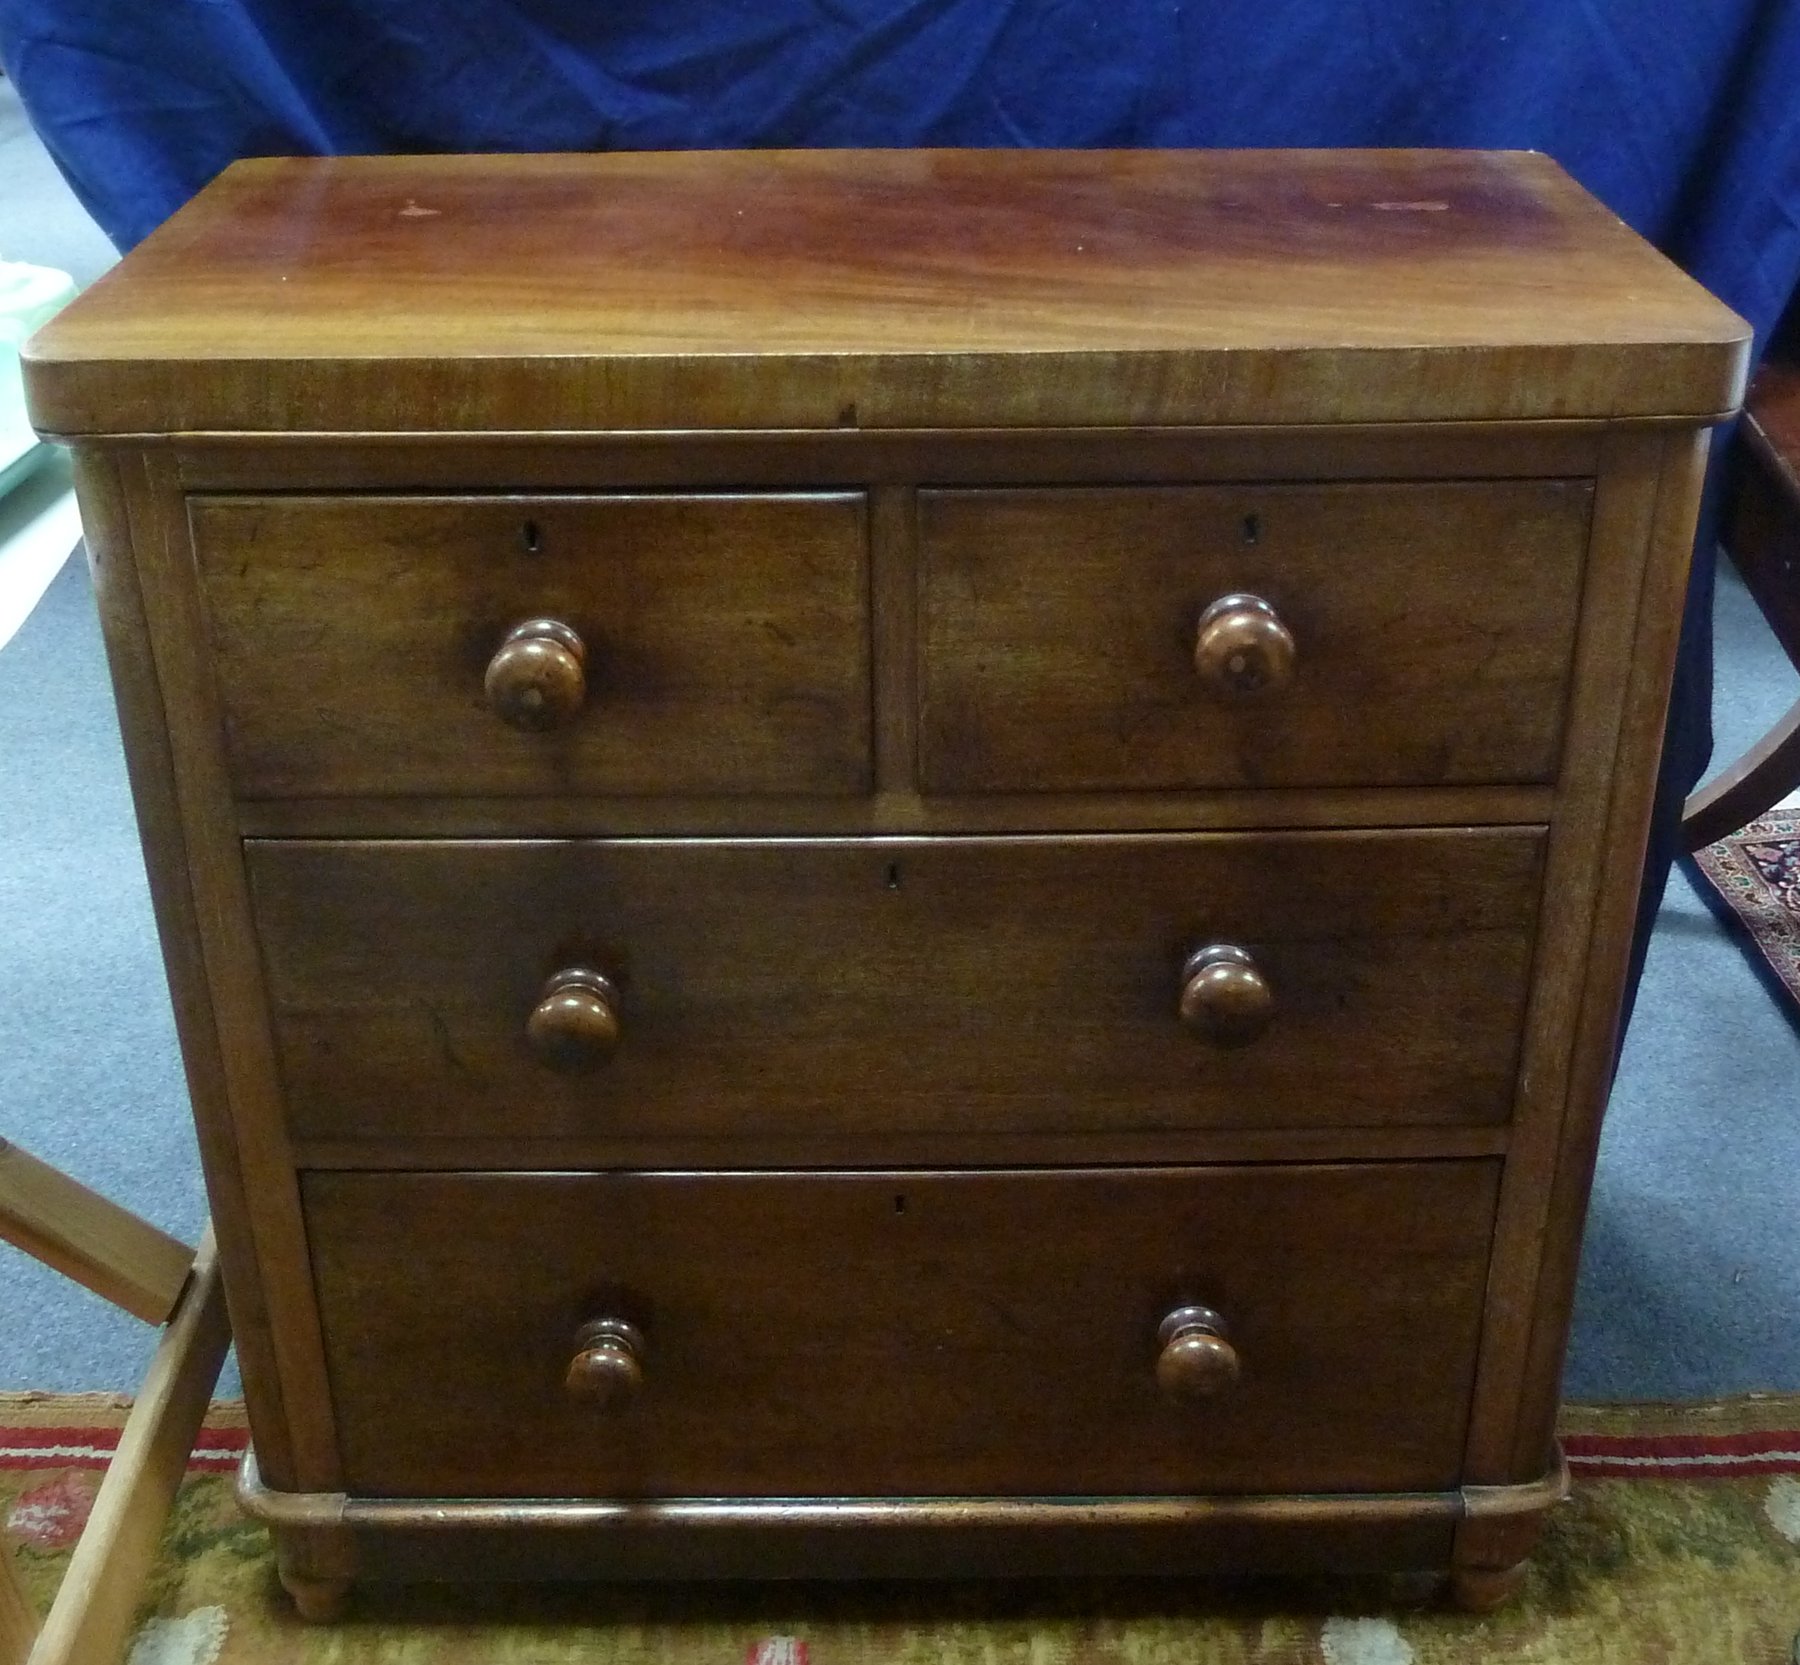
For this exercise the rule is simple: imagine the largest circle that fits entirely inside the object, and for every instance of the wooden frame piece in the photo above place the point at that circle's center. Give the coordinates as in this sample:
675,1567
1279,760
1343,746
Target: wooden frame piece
90,1238
89,1623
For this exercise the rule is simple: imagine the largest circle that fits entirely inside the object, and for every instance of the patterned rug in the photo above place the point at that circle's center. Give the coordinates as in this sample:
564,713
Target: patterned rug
1681,1546
1753,881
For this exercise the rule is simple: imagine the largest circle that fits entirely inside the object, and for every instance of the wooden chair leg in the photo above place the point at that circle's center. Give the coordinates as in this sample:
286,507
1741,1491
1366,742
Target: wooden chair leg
1762,533
90,1238
18,1618
90,1621
1760,779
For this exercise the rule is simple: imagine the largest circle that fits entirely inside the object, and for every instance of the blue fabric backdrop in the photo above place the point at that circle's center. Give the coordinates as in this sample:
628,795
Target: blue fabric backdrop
1682,115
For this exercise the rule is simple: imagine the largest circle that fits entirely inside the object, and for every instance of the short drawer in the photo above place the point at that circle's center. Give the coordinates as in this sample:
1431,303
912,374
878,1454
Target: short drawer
902,1333
679,644
1409,635
942,986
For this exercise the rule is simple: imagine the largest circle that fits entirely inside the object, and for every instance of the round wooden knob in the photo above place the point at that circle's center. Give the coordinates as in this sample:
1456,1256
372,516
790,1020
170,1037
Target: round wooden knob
1242,649
608,1368
575,1024
536,680
1196,1361
1224,995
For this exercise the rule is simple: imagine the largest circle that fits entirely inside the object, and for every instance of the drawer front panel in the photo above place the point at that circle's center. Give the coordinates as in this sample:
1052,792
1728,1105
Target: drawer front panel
1430,630
901,1333
940,986
722,643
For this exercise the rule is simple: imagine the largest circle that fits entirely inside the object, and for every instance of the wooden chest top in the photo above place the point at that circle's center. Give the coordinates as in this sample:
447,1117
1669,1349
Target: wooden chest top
892,289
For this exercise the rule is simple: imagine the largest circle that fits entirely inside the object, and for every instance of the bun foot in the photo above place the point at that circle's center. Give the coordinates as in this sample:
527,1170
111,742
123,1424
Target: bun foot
1482,1589
318,1601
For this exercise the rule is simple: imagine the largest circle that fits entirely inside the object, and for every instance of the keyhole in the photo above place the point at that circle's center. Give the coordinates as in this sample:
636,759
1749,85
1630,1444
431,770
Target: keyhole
1252,528
893,875
899,1204
531,538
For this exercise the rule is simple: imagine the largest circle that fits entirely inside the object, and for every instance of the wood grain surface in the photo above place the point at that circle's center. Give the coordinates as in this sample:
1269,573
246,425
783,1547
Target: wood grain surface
726,640
822,289
124,523
94,1618
234,994
895,987
1433,628
859,457
902,1333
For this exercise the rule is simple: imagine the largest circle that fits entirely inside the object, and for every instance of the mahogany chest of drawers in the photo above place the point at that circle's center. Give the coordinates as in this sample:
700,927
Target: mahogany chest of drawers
894,862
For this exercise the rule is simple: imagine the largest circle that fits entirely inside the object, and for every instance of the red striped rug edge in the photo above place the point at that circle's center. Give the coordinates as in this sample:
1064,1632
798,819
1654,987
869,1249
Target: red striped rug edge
88,1446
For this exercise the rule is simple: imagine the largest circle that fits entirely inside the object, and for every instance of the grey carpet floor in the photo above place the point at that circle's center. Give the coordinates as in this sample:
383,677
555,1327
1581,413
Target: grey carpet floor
89,1075
1690,1280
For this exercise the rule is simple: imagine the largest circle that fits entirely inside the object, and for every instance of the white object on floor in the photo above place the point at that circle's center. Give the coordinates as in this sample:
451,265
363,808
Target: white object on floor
39,526
29,295
1782,1506
1364,1642
194,1639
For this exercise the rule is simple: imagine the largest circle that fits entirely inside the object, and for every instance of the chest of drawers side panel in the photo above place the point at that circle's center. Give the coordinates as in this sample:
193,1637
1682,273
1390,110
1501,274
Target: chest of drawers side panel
1645,509
100,482
132,505
1629,812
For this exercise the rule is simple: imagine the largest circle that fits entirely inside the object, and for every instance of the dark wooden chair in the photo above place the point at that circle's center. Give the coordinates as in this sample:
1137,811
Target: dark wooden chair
1762,534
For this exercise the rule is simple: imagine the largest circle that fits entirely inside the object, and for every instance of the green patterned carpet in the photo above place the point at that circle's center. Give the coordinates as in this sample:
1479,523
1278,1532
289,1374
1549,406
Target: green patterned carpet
1681,1546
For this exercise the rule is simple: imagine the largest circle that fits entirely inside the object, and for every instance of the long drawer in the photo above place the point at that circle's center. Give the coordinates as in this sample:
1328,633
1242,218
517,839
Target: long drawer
487,645
1282,635
726,990
1026,1332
